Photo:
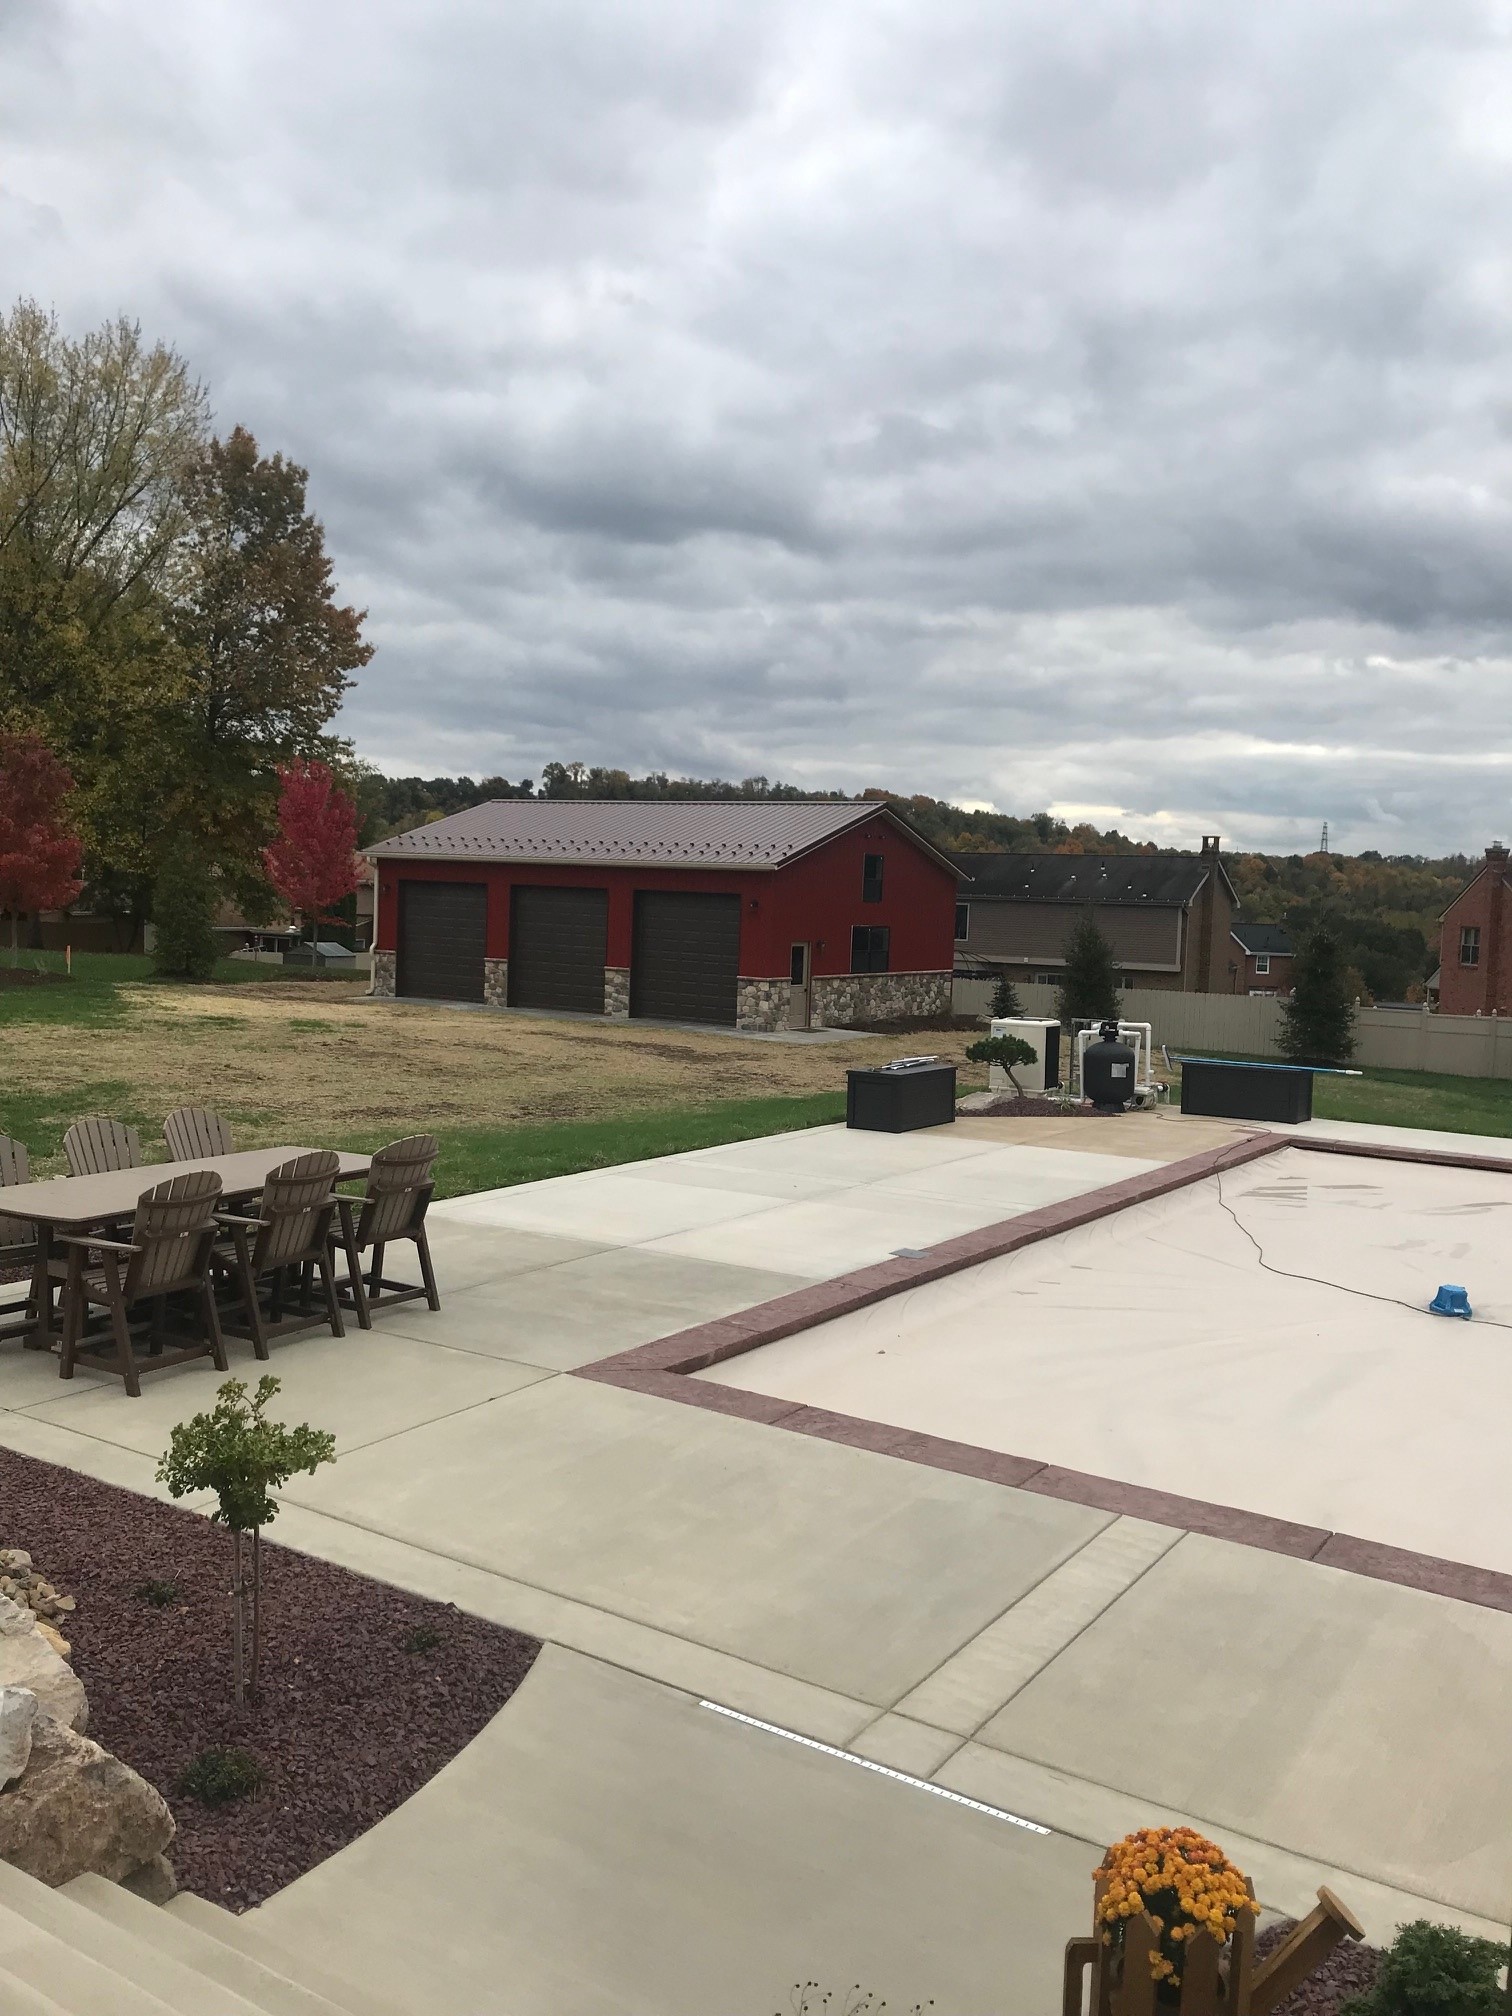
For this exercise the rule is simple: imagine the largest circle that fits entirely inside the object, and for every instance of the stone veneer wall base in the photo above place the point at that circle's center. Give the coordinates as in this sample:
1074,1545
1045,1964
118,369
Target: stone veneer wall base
617,991
496,983
384,965
846,1000
762,1004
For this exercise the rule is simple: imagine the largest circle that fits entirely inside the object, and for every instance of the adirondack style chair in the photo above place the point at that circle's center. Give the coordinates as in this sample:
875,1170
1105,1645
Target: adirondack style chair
399,1185
194,1133
18,1245
172,1237
94,1145
290,1233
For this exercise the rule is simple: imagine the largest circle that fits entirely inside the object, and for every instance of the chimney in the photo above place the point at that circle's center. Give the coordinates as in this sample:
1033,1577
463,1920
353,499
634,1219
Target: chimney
1211,842
1205,909
1496,906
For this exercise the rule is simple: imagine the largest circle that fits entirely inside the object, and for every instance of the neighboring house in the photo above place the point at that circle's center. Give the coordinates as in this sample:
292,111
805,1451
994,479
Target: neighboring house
1260,960
1168,917
758,914
1475,959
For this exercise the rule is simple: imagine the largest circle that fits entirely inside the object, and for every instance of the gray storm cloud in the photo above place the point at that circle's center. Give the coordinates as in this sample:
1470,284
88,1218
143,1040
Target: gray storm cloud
1096,407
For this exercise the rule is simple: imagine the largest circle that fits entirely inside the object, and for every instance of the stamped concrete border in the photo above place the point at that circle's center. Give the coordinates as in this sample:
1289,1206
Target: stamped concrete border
661,1369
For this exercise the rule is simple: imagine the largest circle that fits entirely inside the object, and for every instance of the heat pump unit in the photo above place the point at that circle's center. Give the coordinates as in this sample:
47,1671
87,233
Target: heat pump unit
1044,1039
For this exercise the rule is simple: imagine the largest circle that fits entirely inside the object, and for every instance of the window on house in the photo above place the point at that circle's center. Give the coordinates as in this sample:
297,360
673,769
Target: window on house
963,922
871,879
1262,962
1047,979
869,945
1470,945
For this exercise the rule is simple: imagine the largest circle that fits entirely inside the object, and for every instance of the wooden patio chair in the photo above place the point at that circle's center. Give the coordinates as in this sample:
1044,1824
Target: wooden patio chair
172,1238
18,1246
289,1234
94,1145
399,1186
194,1134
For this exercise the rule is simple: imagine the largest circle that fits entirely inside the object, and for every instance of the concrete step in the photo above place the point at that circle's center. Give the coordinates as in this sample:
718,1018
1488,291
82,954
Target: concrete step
247,1936
205,1951
128,1961
41,1972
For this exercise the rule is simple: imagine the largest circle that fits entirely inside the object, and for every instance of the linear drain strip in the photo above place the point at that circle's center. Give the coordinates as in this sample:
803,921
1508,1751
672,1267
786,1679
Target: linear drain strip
882,1770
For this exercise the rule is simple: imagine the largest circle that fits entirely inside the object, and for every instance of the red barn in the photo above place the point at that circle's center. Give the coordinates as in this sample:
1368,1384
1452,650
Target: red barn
760,914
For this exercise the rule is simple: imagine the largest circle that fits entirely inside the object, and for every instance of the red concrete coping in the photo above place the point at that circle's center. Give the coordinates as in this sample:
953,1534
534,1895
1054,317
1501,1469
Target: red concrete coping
661,1370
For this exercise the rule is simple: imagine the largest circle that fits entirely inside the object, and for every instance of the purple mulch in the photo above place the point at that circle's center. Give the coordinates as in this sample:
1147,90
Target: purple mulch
1349,1970
354,1716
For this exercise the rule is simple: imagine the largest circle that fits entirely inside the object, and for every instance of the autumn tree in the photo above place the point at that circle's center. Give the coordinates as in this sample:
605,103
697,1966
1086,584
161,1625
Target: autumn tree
268,651
313,862
1317,1022
39,849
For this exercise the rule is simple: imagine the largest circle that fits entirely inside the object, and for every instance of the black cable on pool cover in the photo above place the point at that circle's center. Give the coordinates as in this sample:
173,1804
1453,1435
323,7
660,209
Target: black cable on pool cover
1319,1281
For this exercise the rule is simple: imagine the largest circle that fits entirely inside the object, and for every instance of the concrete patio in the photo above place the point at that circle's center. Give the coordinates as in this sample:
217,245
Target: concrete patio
609,1844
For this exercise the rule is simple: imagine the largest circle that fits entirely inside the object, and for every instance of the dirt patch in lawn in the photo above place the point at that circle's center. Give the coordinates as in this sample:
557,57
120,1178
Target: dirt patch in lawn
285,1067
366,1691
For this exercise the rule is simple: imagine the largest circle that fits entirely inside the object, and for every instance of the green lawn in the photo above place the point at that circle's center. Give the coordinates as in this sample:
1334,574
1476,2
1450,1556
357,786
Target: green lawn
488,1158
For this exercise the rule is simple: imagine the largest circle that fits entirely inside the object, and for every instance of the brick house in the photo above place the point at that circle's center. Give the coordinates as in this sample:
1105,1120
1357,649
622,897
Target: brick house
759,914
1168,917
1475,959
1260,960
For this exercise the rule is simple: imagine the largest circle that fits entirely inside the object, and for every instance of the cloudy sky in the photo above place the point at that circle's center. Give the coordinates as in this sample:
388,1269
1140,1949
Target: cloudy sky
1105,407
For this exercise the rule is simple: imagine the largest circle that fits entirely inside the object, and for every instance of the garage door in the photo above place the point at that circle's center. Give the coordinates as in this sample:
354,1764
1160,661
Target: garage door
557,940
442,939
686,959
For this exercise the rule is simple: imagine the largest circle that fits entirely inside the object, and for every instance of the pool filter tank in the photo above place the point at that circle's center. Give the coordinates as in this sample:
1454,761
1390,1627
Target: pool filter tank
1108,1070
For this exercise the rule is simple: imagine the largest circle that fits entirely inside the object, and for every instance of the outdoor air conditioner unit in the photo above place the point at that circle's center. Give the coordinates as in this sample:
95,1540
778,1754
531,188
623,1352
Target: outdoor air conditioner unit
1044,1038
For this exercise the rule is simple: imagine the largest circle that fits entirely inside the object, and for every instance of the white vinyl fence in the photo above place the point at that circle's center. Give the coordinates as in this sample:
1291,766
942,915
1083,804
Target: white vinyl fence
1395,1039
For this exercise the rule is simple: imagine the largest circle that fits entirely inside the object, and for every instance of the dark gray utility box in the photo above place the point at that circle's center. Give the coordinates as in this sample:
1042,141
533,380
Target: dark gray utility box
1226,1091
897,1098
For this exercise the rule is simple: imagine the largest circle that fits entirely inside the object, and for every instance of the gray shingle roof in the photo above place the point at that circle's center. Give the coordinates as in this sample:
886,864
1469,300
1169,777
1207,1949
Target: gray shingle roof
638,832
1272,938
1165,879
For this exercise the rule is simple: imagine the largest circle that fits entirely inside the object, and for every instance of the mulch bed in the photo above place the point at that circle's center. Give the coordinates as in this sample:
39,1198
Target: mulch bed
354,1716
28,976
1349,1970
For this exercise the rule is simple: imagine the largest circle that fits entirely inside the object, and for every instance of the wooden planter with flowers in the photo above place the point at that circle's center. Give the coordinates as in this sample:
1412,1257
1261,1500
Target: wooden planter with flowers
1174,1930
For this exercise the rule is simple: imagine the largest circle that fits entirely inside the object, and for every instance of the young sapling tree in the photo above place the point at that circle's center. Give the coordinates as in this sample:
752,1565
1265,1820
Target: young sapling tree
237,1453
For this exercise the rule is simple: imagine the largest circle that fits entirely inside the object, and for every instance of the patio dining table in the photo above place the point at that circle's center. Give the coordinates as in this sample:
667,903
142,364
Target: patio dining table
64,1205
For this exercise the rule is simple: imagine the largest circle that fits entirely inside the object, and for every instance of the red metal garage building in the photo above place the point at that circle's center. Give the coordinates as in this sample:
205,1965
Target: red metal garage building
758,914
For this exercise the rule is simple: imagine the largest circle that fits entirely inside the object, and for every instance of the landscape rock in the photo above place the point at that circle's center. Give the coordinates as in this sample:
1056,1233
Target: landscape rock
76,1808
154,1882
18,1711
27,1660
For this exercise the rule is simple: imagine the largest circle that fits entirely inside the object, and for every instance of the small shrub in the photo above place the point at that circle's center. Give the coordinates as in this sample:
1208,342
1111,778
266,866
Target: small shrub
1006,1005
161,1595
220,1777
1435,1970
423,1638
1004,1050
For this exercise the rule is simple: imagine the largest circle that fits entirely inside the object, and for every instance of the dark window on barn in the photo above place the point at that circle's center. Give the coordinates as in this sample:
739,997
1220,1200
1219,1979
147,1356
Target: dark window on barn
869,948
963,922
1470,945
871,880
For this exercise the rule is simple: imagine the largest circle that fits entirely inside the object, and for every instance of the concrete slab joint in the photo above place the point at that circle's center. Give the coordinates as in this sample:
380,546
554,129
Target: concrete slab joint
617,991
845,1000
496,983
384,964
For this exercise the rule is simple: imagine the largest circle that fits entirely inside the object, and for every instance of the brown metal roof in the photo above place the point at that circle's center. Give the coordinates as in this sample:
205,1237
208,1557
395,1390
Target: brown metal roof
640,832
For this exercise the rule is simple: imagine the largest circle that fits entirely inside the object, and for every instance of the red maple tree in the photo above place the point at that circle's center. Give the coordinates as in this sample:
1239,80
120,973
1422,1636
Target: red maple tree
313,862
39,849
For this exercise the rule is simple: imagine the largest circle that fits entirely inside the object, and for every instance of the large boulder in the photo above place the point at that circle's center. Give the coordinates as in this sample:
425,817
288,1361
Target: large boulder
18,1711
27,1660
76,1808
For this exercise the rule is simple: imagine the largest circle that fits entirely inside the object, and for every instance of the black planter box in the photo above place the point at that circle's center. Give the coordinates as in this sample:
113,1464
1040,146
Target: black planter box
1246,1091
897,1099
